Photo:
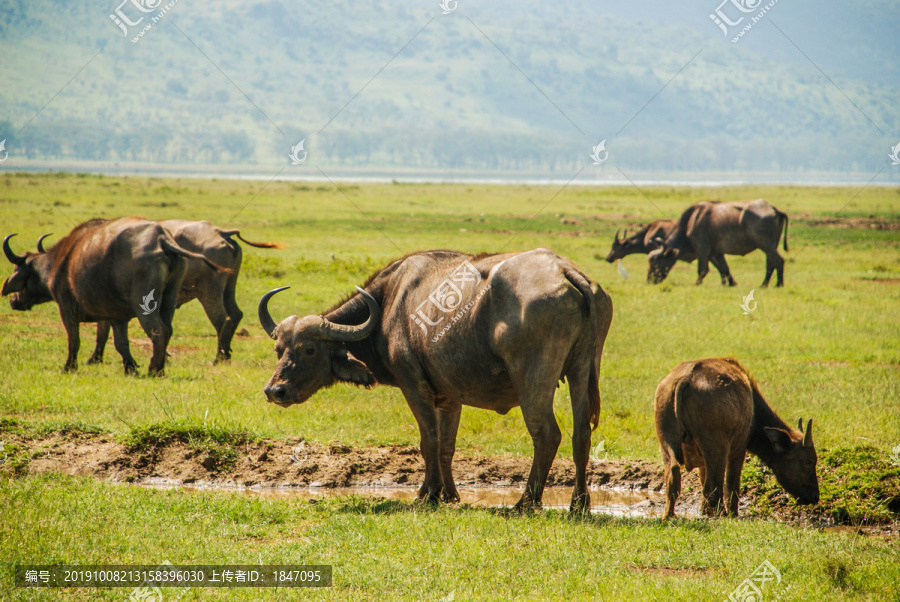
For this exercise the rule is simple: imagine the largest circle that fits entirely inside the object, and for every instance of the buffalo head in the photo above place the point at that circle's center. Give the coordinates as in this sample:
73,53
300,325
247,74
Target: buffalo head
794,463
312,352
620,247
661,259
26,287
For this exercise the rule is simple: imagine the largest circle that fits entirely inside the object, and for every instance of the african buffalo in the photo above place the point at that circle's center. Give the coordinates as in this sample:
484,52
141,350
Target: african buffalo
709,414
710,229
643,241
106,270
450,329
213,288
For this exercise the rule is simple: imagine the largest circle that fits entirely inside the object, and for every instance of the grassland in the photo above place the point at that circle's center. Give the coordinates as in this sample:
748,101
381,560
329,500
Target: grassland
826,347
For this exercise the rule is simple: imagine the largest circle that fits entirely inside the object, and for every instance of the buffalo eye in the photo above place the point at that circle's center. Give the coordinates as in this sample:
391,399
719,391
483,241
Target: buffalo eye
310,351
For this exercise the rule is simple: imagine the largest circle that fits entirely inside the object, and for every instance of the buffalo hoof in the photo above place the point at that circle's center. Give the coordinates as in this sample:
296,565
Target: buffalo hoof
95,359
70,367
130,368
526,504
451,497
431,495
581,503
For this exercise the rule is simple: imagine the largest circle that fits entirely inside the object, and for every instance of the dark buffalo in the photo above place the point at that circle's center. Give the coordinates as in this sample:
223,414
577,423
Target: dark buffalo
709,414
710,230
643,241
111,270
213,288
450,329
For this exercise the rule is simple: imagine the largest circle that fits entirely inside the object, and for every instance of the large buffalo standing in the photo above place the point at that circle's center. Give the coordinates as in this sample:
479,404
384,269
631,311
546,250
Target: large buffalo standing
111,270
450,329
710,230
212,287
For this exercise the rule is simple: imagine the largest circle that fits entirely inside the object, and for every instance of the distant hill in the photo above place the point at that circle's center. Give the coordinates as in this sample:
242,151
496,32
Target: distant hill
522,87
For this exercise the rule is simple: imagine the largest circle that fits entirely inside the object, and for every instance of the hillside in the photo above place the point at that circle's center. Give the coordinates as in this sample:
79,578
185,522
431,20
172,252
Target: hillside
520,87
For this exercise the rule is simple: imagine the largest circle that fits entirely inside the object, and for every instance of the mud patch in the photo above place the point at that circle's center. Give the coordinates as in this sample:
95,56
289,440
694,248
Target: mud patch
280,466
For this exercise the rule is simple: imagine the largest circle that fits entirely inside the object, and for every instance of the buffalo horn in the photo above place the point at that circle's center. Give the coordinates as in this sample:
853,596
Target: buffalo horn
265,319
617,239
13,258
348,334
807,440
41,248
800,424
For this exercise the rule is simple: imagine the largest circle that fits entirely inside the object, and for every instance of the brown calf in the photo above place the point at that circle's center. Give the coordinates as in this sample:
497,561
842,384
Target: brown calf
709,414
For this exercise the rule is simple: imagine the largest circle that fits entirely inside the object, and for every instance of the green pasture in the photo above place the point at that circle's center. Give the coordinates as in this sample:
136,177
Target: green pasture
827,347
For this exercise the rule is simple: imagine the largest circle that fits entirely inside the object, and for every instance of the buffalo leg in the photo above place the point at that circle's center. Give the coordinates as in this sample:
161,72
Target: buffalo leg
733,483
215,312
774,262
713,477
120,340
102,336
581,440
722,266
423,408
702,268
74,340
448,424
673,487
235,315
537,410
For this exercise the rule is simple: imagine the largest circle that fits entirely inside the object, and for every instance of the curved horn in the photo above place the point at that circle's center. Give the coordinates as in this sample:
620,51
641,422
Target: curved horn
800,424
349,334
41,242
807,440
617,239
265,319
13,258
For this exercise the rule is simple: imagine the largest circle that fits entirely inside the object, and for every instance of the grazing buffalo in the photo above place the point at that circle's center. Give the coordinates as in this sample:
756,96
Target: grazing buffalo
643,241
709,414
450,329
213,288
710,230
111,270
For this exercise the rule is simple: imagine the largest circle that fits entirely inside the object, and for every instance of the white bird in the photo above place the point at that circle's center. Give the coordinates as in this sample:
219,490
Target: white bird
622,271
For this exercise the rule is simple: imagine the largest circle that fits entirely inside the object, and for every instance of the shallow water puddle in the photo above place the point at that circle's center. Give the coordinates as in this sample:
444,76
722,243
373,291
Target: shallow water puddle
611,501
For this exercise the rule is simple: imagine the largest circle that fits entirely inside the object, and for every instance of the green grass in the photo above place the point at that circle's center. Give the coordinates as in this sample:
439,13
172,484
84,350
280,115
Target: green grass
825,347
395,550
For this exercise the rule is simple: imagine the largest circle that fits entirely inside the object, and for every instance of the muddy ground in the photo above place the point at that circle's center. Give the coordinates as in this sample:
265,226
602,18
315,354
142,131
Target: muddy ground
298,463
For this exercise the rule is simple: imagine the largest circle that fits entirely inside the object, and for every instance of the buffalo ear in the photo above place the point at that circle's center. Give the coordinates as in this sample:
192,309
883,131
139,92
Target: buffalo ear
781,439
656,243
348,369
